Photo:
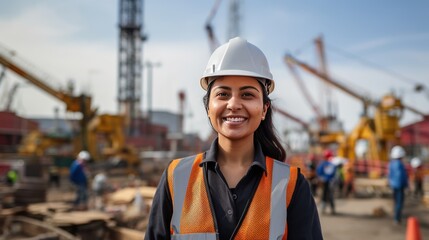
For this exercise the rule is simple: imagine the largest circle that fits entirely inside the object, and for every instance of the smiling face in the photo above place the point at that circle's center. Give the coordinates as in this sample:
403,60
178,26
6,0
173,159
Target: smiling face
236,107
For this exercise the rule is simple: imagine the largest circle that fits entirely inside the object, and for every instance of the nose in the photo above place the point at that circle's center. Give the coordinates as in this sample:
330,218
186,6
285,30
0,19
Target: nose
234,103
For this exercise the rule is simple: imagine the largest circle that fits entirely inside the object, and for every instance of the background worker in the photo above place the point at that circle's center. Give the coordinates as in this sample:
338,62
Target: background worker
326,171
11,177
349,178
418,175
99,187
312,174
54,176
339,177
398,180
78,176
235,190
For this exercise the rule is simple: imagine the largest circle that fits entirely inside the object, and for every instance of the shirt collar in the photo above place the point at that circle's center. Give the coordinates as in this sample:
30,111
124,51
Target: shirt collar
258,159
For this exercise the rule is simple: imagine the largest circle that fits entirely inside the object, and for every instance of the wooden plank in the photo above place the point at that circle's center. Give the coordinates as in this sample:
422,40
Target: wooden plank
77,218
119,233
126,195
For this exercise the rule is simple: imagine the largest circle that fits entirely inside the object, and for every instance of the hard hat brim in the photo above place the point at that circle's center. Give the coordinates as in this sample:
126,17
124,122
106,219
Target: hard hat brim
204,81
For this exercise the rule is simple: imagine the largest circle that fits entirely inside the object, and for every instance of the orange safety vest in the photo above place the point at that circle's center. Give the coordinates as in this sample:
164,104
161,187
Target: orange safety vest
192,215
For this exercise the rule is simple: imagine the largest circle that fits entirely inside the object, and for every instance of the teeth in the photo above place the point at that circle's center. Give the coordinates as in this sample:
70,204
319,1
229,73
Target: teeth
235,119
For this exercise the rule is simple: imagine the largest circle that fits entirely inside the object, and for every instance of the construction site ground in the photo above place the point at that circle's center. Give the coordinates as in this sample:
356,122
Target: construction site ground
355,218
372,218
369,217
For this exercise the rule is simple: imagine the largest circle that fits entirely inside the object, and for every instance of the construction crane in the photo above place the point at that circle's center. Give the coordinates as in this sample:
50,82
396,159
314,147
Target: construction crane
304,90
234,17
10,96
2,74
381,131
213,41
305,126
91,125
288,115
365,100
9,93
234,29
327,125
328,129
80,103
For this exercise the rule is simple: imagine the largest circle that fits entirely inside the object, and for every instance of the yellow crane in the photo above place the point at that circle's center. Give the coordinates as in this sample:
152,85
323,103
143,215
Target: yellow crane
74,103
92,126
381,131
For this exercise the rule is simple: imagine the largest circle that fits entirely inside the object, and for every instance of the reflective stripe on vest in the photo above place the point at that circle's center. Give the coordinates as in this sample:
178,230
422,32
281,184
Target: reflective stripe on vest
265,217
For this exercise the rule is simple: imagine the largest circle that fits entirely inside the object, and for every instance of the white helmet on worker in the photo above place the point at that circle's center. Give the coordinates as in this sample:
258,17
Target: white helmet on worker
238,58
84,155
416,162
397,152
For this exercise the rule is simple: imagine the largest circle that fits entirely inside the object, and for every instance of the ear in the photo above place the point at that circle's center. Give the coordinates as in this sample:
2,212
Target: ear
265,110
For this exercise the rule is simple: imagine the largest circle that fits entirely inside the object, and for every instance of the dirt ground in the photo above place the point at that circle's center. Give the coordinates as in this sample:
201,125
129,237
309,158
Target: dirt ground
355,219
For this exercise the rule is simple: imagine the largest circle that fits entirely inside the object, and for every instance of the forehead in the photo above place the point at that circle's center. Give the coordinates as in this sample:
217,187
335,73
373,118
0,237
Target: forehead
237,81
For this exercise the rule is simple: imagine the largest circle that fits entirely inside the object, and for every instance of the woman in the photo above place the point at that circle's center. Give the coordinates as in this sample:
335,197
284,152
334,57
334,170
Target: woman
235,190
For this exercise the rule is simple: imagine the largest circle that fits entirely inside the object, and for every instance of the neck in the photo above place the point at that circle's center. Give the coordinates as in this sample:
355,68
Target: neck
238,152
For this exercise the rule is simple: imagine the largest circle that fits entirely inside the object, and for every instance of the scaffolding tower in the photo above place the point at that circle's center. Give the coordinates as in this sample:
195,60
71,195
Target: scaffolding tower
130,62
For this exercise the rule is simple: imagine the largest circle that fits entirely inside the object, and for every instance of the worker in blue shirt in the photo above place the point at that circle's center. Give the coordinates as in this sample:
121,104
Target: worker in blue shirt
80,180
326,172
398,180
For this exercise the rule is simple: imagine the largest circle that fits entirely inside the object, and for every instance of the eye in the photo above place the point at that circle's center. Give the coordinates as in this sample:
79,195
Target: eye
248,95
222,94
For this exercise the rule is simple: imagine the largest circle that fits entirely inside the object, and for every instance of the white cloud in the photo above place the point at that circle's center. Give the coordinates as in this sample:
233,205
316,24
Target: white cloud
43,41
372,44
38,24
378,43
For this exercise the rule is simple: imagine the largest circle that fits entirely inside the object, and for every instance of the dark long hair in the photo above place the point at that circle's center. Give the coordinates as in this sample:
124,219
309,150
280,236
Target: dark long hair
265,134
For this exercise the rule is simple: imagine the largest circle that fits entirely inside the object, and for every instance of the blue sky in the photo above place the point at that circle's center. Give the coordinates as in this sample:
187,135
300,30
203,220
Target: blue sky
78,39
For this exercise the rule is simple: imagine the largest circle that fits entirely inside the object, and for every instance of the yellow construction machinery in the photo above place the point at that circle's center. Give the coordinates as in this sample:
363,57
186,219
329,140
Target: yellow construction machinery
92,127
36,143
380,132
109,129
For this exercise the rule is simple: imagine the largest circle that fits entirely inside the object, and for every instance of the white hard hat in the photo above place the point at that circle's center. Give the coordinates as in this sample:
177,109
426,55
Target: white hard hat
338,161
84,155
238,57
416,162
397,152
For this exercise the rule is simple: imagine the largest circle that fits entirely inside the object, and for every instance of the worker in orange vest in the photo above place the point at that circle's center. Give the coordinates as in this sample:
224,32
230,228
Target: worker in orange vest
237,189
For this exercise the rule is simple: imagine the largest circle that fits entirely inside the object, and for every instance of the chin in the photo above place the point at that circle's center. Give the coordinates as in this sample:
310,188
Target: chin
235,136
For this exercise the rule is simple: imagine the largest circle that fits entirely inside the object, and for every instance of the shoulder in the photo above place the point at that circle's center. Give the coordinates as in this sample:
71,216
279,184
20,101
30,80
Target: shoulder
281,164
175,162
182,163
298,188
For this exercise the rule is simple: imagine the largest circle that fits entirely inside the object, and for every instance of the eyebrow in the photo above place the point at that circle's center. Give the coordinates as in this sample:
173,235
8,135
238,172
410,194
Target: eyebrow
241,88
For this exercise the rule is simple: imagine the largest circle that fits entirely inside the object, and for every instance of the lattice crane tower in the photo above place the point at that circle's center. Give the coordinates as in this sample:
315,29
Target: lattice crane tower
234,19
130,62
